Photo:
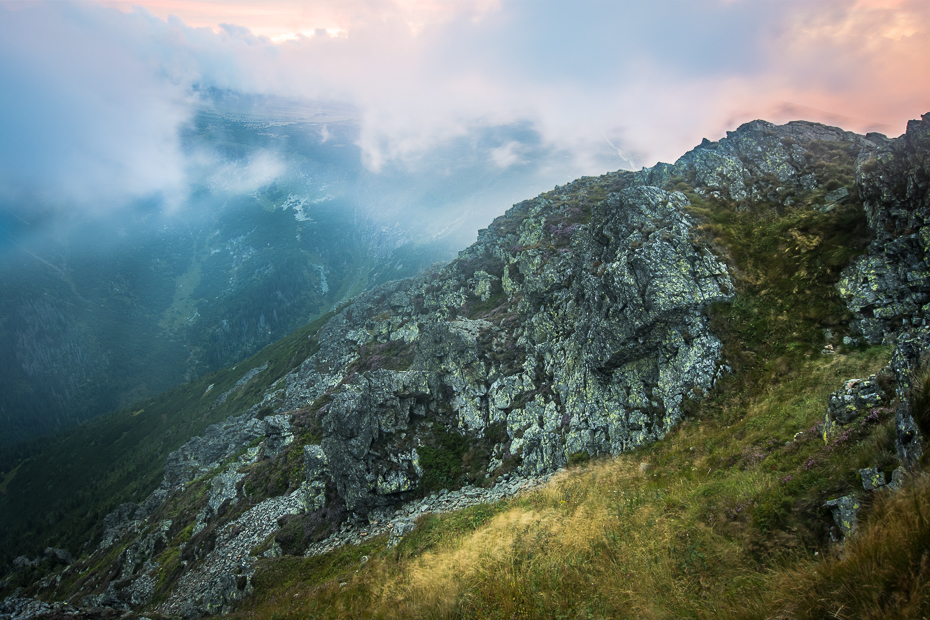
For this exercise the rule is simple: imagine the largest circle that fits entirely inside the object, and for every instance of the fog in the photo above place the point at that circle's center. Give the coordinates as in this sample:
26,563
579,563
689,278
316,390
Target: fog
95,96
167,167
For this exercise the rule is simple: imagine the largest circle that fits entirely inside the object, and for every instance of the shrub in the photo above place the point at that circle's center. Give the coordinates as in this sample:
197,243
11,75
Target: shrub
579,458
442,463
920,399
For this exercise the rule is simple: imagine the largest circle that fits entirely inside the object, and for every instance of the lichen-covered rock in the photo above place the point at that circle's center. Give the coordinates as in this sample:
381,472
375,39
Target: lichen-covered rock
370,409
845,511
872,478
566,336
757,162
889,289
316,469
201,454
856,395
278,434
118,523
911,354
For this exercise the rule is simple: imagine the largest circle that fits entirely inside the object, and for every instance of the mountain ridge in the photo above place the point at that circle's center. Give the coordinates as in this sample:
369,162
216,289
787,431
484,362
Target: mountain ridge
589,321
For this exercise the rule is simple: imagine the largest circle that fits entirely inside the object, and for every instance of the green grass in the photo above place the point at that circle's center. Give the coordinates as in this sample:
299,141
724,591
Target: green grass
711,522
724,517
785,267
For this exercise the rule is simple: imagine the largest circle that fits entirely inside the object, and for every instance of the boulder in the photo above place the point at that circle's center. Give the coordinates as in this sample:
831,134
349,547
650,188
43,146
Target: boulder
845,512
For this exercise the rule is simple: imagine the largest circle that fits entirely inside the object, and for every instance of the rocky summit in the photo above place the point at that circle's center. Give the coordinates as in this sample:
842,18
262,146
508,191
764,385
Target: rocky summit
579,325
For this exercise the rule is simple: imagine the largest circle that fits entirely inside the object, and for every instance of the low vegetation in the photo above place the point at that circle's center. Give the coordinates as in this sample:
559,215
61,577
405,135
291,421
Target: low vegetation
722,518
59,496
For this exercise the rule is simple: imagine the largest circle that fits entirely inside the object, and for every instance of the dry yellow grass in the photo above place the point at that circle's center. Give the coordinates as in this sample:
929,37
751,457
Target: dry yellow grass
710,529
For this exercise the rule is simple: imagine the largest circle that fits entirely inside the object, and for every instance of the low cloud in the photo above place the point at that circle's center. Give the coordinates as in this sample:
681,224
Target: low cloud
86,119
94,97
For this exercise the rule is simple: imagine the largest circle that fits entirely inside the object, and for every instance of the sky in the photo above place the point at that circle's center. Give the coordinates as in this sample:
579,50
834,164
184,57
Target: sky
95,93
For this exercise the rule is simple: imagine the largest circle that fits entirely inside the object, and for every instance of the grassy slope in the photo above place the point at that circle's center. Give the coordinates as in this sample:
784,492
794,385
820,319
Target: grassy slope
726,521
60,494
723,518
726,517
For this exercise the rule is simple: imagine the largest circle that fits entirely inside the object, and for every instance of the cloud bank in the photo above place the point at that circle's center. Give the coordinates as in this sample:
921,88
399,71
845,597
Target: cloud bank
95,94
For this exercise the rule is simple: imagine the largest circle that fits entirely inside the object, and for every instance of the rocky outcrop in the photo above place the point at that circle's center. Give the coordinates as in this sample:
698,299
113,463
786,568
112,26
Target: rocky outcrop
367,412
220,441
888,289
575,326
759,162
568,333
911,357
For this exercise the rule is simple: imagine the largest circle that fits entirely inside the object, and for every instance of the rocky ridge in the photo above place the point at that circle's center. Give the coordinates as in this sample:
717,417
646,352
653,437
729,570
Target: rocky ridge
575,326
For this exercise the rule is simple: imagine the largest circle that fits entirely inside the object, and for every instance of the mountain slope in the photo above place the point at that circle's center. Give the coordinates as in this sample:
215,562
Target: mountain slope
591,321
116,307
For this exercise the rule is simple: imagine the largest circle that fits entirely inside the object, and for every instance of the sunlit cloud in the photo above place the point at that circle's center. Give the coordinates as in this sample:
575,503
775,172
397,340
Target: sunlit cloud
101,89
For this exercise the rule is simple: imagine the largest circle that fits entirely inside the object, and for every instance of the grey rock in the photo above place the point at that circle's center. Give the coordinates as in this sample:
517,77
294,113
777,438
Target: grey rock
872,478
151,504
59,556
897,479
22,563
888,289
316,468
845,512
219,442
856,395
369,409
118,524
23,608
911,353
837,196
277,433
400,529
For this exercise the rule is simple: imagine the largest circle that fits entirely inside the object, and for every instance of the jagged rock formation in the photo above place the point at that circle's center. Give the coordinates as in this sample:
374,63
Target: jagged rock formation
558,332
757,162
888,288
575,326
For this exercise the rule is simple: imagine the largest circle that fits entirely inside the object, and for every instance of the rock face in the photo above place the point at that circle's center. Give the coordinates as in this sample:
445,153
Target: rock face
557,332
888,288
910,355
757,162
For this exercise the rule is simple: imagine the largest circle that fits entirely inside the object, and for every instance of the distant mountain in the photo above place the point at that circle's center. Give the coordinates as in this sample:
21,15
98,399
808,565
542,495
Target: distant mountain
112,310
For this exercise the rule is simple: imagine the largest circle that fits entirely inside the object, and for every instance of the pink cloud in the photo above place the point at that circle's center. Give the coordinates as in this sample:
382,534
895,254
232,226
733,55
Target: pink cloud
591,79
